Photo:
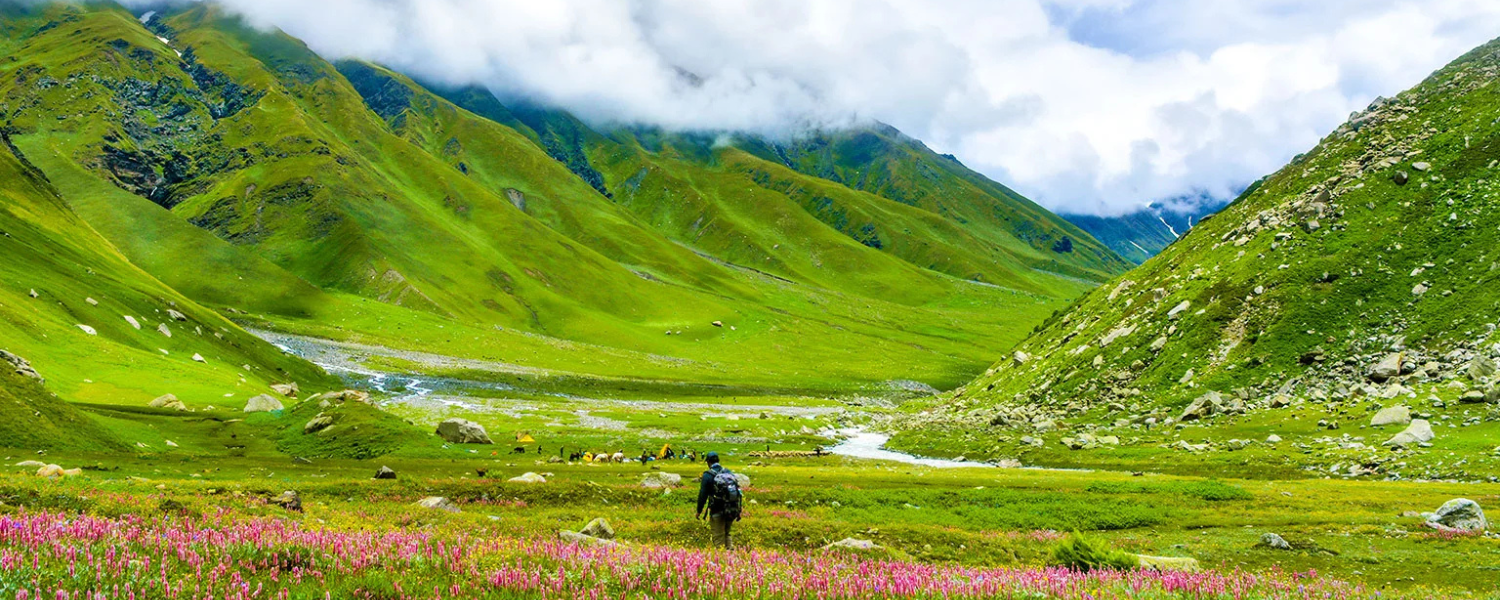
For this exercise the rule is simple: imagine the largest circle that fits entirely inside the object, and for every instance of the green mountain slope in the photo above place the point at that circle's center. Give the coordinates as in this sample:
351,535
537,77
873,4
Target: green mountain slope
1142,234
348,201
1379,244
68,299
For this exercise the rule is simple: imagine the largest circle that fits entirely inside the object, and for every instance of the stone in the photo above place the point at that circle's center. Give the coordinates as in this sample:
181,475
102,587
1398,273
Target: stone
88,330
1480,368
29,464
438,503
288,500
317,424
1179,309
1273,439
461,431
1473,397
133,323
1395,415
1168,563
718,323
1421,166
1204,406
164,330
598,528
1158,343
22,366
855,545
1401,177
1186,377
34,295
1420,289
658,480
289,390
168,401
198,358
385,473
579,539
1420,431
1109,440
53,472
344,396
1020,358
1274,542
1281,401
743,479
176,316
529,478
1387,368
1460,514
263,403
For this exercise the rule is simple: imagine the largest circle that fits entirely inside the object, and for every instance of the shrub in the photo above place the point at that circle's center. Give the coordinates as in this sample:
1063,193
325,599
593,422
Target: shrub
1080,554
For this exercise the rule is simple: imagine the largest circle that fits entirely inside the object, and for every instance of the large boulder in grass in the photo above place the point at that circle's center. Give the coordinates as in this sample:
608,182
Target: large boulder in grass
22,366
460,431
1386,368
1168,563
855,545
1419,432
289,390
580,539
658,480
288,500
169,402
1459,514
529,478
1395,415
599,528
385,473
438,503
263,403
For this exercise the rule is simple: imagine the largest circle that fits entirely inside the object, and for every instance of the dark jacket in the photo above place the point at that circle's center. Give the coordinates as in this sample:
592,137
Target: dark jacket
706,491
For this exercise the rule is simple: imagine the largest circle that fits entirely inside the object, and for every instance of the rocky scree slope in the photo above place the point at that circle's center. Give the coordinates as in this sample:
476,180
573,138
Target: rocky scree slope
1365,269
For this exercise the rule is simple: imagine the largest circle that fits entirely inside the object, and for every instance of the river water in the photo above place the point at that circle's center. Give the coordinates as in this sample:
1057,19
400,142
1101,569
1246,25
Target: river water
870,445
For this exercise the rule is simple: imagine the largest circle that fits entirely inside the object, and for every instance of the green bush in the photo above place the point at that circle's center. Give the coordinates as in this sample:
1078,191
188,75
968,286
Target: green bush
1083,555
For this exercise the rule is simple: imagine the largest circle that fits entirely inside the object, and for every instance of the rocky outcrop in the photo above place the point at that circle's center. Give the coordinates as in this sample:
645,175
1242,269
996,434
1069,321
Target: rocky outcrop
599,528
1419,432
1459,514
21,366
168,401
460,431
263,403
1395,415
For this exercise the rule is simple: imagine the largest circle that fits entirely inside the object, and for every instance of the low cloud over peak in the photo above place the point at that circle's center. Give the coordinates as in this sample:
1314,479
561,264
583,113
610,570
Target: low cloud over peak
1088,106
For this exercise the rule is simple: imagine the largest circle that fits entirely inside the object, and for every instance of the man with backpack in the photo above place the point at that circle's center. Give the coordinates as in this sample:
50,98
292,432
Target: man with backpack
719,493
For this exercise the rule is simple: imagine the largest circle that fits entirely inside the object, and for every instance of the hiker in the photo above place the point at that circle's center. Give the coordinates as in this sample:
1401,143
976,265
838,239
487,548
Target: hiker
719,500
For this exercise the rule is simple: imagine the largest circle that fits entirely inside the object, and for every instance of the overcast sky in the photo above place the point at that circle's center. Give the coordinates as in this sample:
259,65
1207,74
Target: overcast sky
1094,106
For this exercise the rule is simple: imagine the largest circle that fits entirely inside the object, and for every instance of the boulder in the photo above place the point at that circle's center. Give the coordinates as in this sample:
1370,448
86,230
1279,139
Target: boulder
345,395
1418,432
1179,309
1480,368
529,478
658,480
1274,542
743,479
1168,563
1473,397
598,528
1387,368
1395,415
1459,514
168,401
460,431
164,330
1421,166
288,500
1205,406
30,464
1020,358
199,358
263,403
855,545
1273,439
385,473
21,366
133,323
579,539
88,330
289,390
438,503
317,424
51,472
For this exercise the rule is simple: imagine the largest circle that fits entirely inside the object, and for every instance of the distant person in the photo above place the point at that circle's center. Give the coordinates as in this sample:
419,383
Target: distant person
719,500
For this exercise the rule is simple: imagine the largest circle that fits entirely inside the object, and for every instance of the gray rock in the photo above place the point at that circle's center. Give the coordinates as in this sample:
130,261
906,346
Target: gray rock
1461,514
580,539
1480,368
1274,542
1388,367
288,500
21,366
1178,310
598,528
1020,358
438,503
1395,415
1473,397
855,545
385,473
133,323
1401,177
317,424
176,316
1205,406
1273,439
1421,166
529,478
168,401
164,330
461,431
87,329
1418,432
658,480
263,403
289,390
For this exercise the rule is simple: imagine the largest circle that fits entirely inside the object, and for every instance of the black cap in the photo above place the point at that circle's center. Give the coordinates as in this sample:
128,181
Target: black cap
711,457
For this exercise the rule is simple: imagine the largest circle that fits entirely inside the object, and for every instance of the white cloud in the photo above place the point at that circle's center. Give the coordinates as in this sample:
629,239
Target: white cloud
1086,105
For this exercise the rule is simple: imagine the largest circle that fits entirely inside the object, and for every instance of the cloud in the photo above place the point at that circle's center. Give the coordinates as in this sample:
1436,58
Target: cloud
1095,106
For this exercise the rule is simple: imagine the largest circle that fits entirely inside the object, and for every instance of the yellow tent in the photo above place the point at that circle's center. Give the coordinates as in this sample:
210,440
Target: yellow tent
524,438
662,454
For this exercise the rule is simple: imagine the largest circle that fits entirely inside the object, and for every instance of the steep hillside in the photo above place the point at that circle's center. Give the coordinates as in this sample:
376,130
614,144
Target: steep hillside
33,418
97,326
346,200
1360,276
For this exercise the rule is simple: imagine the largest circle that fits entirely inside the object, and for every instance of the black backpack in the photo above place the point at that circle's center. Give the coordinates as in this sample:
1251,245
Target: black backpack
727,494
